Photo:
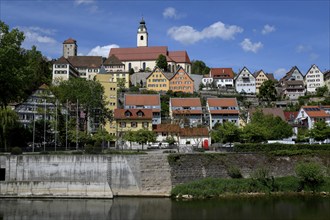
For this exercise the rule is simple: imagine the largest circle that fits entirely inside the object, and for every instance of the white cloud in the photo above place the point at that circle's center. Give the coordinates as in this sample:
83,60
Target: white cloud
82,2
313,56
279,73
247,45
188,35
171,12
268,29
303,48
38,35
101,50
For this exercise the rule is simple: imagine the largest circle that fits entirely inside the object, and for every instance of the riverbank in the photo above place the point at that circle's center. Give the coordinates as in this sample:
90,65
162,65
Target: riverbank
217,187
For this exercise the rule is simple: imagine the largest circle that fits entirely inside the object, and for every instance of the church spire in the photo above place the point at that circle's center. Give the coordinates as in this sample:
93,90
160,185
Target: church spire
142,34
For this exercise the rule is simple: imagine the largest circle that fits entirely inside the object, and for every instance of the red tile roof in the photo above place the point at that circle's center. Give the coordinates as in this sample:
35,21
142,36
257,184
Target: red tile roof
224,112
223,102
270,111
149,53
120,114
315,112
142,99
226,73
290,116
194,132
70,41
186,112
185,102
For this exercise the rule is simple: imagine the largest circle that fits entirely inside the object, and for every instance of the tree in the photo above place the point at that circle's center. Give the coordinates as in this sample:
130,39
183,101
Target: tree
121,84
320,91
226,132
310,174
320,131
8,119
199,67
267,91
144,136
89,95
161,62
21,71
130,136
102,136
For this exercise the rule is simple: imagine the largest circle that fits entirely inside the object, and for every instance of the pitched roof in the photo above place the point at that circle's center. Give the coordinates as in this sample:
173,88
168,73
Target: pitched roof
270,76
315,112
70,41
142,99
222,73
187,112
185,102
290,116
223,102
270,111
112,60
149,53
138,53
193,132
179,56
181,70
86,61
288,75
121,114
62,60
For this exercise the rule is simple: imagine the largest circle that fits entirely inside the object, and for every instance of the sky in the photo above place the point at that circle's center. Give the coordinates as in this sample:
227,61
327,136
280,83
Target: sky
270,35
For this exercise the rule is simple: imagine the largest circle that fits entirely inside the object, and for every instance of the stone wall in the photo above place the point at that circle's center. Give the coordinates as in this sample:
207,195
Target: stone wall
102,176
190,167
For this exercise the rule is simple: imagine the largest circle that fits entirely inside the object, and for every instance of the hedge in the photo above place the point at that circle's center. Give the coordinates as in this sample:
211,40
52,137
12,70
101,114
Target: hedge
278,146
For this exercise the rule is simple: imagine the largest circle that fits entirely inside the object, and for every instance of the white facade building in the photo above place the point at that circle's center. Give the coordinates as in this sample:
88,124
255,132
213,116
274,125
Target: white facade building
245,82
313,79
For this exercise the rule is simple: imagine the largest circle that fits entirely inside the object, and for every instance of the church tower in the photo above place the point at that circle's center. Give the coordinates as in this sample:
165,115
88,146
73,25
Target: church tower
70,48
142,35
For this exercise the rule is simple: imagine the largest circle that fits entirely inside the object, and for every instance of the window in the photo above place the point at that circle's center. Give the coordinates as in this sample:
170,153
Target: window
2,174
133,124
123,124
145,124
141,38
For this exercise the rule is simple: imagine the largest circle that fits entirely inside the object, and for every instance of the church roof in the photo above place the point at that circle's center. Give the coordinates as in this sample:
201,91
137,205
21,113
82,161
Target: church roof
149,53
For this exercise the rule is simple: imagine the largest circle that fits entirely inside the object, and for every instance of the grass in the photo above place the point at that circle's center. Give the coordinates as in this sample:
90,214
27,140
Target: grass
216,187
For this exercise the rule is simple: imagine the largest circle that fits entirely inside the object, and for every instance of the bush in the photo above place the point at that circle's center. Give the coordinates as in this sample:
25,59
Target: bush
262,181
16,151
311,175
249,147
234,172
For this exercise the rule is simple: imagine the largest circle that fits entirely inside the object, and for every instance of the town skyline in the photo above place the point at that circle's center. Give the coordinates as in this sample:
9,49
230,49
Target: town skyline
268,35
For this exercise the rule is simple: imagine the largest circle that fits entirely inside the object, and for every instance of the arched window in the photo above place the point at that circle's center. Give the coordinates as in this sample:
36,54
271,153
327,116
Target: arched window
144,66
141,38
129,66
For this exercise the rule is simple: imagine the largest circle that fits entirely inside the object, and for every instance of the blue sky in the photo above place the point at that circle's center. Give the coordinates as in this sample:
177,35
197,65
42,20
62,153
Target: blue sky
269,35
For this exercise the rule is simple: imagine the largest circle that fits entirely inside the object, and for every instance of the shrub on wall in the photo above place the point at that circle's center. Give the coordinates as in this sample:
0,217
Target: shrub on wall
16,151
251,147
311,175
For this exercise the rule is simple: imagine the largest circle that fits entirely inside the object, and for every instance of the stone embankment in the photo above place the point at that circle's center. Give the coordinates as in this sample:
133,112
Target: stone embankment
105,176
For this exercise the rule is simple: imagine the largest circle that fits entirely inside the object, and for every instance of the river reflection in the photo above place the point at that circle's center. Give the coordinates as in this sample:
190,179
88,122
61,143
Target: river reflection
296,207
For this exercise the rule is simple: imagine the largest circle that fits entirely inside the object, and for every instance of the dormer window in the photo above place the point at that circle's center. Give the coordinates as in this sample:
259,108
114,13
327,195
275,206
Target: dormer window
128,114
140,113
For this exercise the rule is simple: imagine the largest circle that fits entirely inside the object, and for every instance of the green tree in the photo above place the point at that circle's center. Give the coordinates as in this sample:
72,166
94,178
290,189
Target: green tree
161,62
321,91
21,71
199,67
267,91
130,136
310,174
226,132
144,136
90,97
320,131
8,119
253,133
102,136
121,84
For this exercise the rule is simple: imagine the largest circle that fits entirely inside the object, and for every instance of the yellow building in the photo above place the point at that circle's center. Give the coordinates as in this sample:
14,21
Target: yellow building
132,120
110,93
261,77
158,81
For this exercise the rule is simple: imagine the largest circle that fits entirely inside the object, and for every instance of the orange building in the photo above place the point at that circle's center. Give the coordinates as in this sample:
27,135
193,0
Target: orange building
181,82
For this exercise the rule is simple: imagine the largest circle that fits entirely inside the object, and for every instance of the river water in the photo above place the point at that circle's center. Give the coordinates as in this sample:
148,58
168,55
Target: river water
267,207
